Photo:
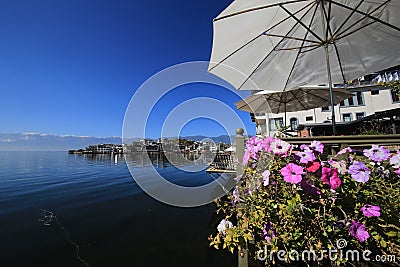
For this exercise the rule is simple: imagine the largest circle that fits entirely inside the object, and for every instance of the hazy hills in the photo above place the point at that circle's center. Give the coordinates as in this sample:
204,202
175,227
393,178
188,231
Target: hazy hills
49,142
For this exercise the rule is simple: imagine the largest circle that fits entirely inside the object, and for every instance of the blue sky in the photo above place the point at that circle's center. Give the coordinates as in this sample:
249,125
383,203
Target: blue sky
71,66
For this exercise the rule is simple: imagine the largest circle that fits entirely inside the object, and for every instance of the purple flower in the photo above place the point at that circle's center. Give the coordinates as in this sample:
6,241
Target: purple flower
344,150
292,173
370,210
359,172
377,153
265,175
357,230
305,156
280,147
397,172
309,189
268,232
317,146
331,177
395,160
235,195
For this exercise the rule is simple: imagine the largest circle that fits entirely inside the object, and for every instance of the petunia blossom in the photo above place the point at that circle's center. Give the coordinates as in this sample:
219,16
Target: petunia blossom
313,166
265,175
246,157
339,165
292,173
357,229
305,156
397,172
377,153
224,225
266,143
268,232
359,172
395,160
344,150
371,211
309,189
331,177
280,147
235,195
317,146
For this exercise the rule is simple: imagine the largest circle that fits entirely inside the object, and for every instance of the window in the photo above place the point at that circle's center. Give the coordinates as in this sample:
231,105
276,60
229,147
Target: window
326,109
360,115
395,96
347,117
294,122
309,118
356,100
275,124
375,92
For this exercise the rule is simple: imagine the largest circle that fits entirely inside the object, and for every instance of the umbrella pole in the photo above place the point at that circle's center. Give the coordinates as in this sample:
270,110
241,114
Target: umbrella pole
328,65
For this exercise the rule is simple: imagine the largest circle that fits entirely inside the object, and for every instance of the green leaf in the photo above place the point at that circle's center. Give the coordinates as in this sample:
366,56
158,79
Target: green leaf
391,233
383,243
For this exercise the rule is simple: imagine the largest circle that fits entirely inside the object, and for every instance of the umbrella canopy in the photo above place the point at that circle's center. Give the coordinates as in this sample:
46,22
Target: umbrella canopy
265,44
279,45
292,100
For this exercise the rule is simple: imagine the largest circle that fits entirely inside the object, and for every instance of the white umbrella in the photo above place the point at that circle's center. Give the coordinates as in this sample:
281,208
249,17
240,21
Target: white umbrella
292,100
280,45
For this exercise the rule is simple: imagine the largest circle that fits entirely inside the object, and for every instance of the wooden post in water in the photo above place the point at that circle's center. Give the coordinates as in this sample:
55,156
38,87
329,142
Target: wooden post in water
243,254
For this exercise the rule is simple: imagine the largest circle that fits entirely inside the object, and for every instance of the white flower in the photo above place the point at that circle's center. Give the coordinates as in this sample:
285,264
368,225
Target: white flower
280,147
265,176
223,225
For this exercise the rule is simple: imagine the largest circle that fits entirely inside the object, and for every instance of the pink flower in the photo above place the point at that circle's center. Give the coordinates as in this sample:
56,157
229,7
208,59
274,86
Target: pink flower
331,177
397,172
266,143
246,156
292,173
370,210
313,166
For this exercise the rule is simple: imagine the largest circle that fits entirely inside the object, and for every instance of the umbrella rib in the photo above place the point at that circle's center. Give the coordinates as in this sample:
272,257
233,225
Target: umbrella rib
328,19
369,15
299,52
262,61
301,23
347,19
290,37
298,100
296,48
256,8
255,38
341,35
329,31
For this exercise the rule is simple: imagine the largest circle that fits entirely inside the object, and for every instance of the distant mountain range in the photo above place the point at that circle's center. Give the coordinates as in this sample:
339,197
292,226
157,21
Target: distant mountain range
49,142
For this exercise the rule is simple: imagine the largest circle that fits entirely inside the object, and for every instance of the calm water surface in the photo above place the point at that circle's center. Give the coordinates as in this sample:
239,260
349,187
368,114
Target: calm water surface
96,200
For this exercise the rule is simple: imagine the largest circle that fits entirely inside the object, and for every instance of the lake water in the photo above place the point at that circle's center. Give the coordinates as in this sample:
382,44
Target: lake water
98,203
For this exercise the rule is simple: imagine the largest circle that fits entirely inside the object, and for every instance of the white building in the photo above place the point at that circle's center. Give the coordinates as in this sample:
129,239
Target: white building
365,102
